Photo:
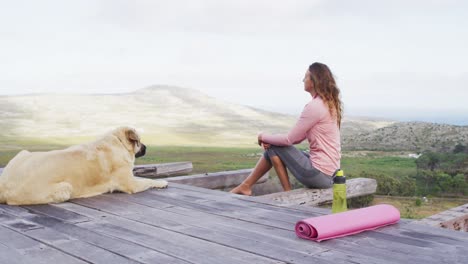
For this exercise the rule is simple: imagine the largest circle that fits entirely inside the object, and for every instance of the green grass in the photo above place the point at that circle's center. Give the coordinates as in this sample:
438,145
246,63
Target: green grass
409,209
408,206
213,159
210,159
386,165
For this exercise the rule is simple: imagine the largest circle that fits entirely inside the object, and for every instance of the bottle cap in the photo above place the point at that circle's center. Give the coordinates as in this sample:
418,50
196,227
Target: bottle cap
339,173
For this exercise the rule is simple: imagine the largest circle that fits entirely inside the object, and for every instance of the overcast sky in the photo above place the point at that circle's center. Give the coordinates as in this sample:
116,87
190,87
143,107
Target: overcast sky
391,58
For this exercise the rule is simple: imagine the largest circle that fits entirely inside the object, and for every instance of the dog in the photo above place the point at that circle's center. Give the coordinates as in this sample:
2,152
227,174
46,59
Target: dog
86,170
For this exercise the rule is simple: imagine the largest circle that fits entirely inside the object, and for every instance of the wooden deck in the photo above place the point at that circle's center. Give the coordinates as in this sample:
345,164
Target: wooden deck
186,224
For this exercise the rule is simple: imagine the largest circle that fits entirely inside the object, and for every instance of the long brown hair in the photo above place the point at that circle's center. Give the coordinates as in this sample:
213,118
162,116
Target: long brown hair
325,87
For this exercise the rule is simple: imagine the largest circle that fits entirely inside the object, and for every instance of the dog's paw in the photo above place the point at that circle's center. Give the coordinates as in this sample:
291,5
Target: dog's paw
160,184
62,192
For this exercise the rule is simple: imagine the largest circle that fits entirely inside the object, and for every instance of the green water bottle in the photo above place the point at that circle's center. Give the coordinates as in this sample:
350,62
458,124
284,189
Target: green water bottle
339,192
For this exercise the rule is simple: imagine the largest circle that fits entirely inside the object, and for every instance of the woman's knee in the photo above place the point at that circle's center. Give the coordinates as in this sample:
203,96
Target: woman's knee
270,152
266,156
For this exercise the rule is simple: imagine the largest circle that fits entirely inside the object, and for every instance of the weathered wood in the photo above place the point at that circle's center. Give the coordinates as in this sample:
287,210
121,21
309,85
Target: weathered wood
189,224
245,213
19,248
255,201
67,216
252,237
454,218
304,196
217,180
166,233
380,253
11,256
163,169
87,244
228,227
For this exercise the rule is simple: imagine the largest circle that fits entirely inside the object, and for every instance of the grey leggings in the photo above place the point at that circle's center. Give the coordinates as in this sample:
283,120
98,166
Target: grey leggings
298,163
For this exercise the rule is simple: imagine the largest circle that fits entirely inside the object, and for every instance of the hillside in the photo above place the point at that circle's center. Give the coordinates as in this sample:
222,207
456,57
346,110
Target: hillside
165,115
414,136
168,115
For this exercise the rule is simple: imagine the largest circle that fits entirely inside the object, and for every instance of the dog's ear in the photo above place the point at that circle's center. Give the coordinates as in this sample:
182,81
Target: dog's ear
132,136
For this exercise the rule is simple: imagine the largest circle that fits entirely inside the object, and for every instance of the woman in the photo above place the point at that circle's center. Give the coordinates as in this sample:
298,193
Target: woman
320,123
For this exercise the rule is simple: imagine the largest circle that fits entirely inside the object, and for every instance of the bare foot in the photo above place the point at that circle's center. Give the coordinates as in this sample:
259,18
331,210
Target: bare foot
243,189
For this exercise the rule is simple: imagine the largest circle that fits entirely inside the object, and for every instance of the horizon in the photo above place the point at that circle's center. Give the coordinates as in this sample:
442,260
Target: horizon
416,115
400,59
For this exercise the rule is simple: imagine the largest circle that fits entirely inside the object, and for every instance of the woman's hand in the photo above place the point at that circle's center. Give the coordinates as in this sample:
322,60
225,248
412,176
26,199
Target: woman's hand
259,139
264,145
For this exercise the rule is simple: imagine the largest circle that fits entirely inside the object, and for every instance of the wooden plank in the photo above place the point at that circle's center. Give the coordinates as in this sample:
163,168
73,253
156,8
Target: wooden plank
229,227
236,232
240,228
406,250
15,240
405,242
130,217
163,169
16,223
417,230
239,238
71,246
302,211
77,248
274,253
14,210
247,214
298,251
196,218
11,256
368,250
313,197
64,215
181,245
228,204
159,229
234,225
89,245
217,180
18,248
254,201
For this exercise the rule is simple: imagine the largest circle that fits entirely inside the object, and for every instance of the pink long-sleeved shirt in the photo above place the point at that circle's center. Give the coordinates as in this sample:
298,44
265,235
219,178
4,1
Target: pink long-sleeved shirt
321,130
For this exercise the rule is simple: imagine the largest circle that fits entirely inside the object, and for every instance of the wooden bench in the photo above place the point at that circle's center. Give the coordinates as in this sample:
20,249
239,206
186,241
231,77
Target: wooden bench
228,179
313,197
162,170
217,180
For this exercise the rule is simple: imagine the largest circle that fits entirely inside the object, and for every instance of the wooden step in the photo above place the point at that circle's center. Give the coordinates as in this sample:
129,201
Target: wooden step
216,180
162,170
313,197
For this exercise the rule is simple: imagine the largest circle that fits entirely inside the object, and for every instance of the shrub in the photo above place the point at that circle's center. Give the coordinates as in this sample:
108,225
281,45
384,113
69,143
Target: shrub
418,202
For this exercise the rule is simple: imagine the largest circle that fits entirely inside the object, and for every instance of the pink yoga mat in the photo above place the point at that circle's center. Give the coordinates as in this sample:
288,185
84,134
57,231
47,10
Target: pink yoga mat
347,223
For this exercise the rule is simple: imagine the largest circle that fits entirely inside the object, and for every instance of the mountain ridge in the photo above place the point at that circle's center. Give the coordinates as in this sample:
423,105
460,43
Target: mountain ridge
172,115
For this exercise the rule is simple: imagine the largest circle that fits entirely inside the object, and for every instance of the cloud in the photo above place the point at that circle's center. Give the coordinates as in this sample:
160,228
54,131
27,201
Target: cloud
209,16
384,53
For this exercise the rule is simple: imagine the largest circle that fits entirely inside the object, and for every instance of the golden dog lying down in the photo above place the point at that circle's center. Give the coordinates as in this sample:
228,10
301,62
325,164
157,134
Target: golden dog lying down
83,170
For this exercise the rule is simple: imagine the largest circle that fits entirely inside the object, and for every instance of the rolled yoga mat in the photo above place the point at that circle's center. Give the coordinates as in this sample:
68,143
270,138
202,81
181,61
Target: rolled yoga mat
347,223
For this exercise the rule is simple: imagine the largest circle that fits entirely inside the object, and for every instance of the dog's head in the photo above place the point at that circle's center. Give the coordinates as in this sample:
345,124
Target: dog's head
131,140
